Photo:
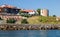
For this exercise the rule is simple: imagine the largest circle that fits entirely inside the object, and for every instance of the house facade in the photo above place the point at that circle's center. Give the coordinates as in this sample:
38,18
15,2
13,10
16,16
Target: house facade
7,9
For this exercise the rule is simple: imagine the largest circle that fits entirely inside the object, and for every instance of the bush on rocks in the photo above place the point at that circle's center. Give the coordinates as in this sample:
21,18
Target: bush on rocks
11,20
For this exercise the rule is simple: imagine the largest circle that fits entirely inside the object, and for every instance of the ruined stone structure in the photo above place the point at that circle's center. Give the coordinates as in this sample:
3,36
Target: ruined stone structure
44,12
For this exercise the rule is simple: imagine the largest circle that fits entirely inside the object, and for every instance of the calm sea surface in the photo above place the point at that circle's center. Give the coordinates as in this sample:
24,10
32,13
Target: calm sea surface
30,33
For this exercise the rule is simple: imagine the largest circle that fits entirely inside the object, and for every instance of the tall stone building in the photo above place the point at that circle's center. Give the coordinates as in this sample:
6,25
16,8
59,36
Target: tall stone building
44,12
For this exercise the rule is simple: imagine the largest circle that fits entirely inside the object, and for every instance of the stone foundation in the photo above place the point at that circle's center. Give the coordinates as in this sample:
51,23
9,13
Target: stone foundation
28,27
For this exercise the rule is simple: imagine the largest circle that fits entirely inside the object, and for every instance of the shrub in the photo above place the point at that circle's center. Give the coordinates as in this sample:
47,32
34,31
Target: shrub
25,14
11,20
24,21
54,15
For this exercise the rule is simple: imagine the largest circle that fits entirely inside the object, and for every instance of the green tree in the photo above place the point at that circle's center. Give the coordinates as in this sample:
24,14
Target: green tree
11,20
54,15
24,21
39,11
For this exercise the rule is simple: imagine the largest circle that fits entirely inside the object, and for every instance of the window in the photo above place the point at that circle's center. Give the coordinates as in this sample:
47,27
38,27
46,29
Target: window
16,10
5,9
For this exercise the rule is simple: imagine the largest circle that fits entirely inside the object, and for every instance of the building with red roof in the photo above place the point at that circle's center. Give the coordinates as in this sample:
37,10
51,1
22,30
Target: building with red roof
8,9
30,12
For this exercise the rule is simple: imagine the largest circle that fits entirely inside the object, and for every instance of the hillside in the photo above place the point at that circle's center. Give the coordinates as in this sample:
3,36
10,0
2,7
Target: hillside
42,20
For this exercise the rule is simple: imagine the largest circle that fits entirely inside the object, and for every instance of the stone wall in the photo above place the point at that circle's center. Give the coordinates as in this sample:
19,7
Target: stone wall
28,27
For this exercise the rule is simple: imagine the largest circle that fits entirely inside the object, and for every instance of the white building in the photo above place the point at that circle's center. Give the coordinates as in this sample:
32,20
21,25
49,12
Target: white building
30,12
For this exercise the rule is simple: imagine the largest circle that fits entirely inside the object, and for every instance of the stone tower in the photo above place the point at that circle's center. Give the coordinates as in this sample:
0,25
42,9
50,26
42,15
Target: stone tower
44,12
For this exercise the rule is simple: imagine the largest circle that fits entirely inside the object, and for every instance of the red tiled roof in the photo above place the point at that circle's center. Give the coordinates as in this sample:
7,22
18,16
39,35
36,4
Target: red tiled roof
28,10
7,6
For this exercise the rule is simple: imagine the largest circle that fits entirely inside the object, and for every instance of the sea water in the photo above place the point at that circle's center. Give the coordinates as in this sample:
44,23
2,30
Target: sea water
30,33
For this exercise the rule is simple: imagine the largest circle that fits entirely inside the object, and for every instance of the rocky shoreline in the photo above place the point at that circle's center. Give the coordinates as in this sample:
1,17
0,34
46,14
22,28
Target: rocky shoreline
29,27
